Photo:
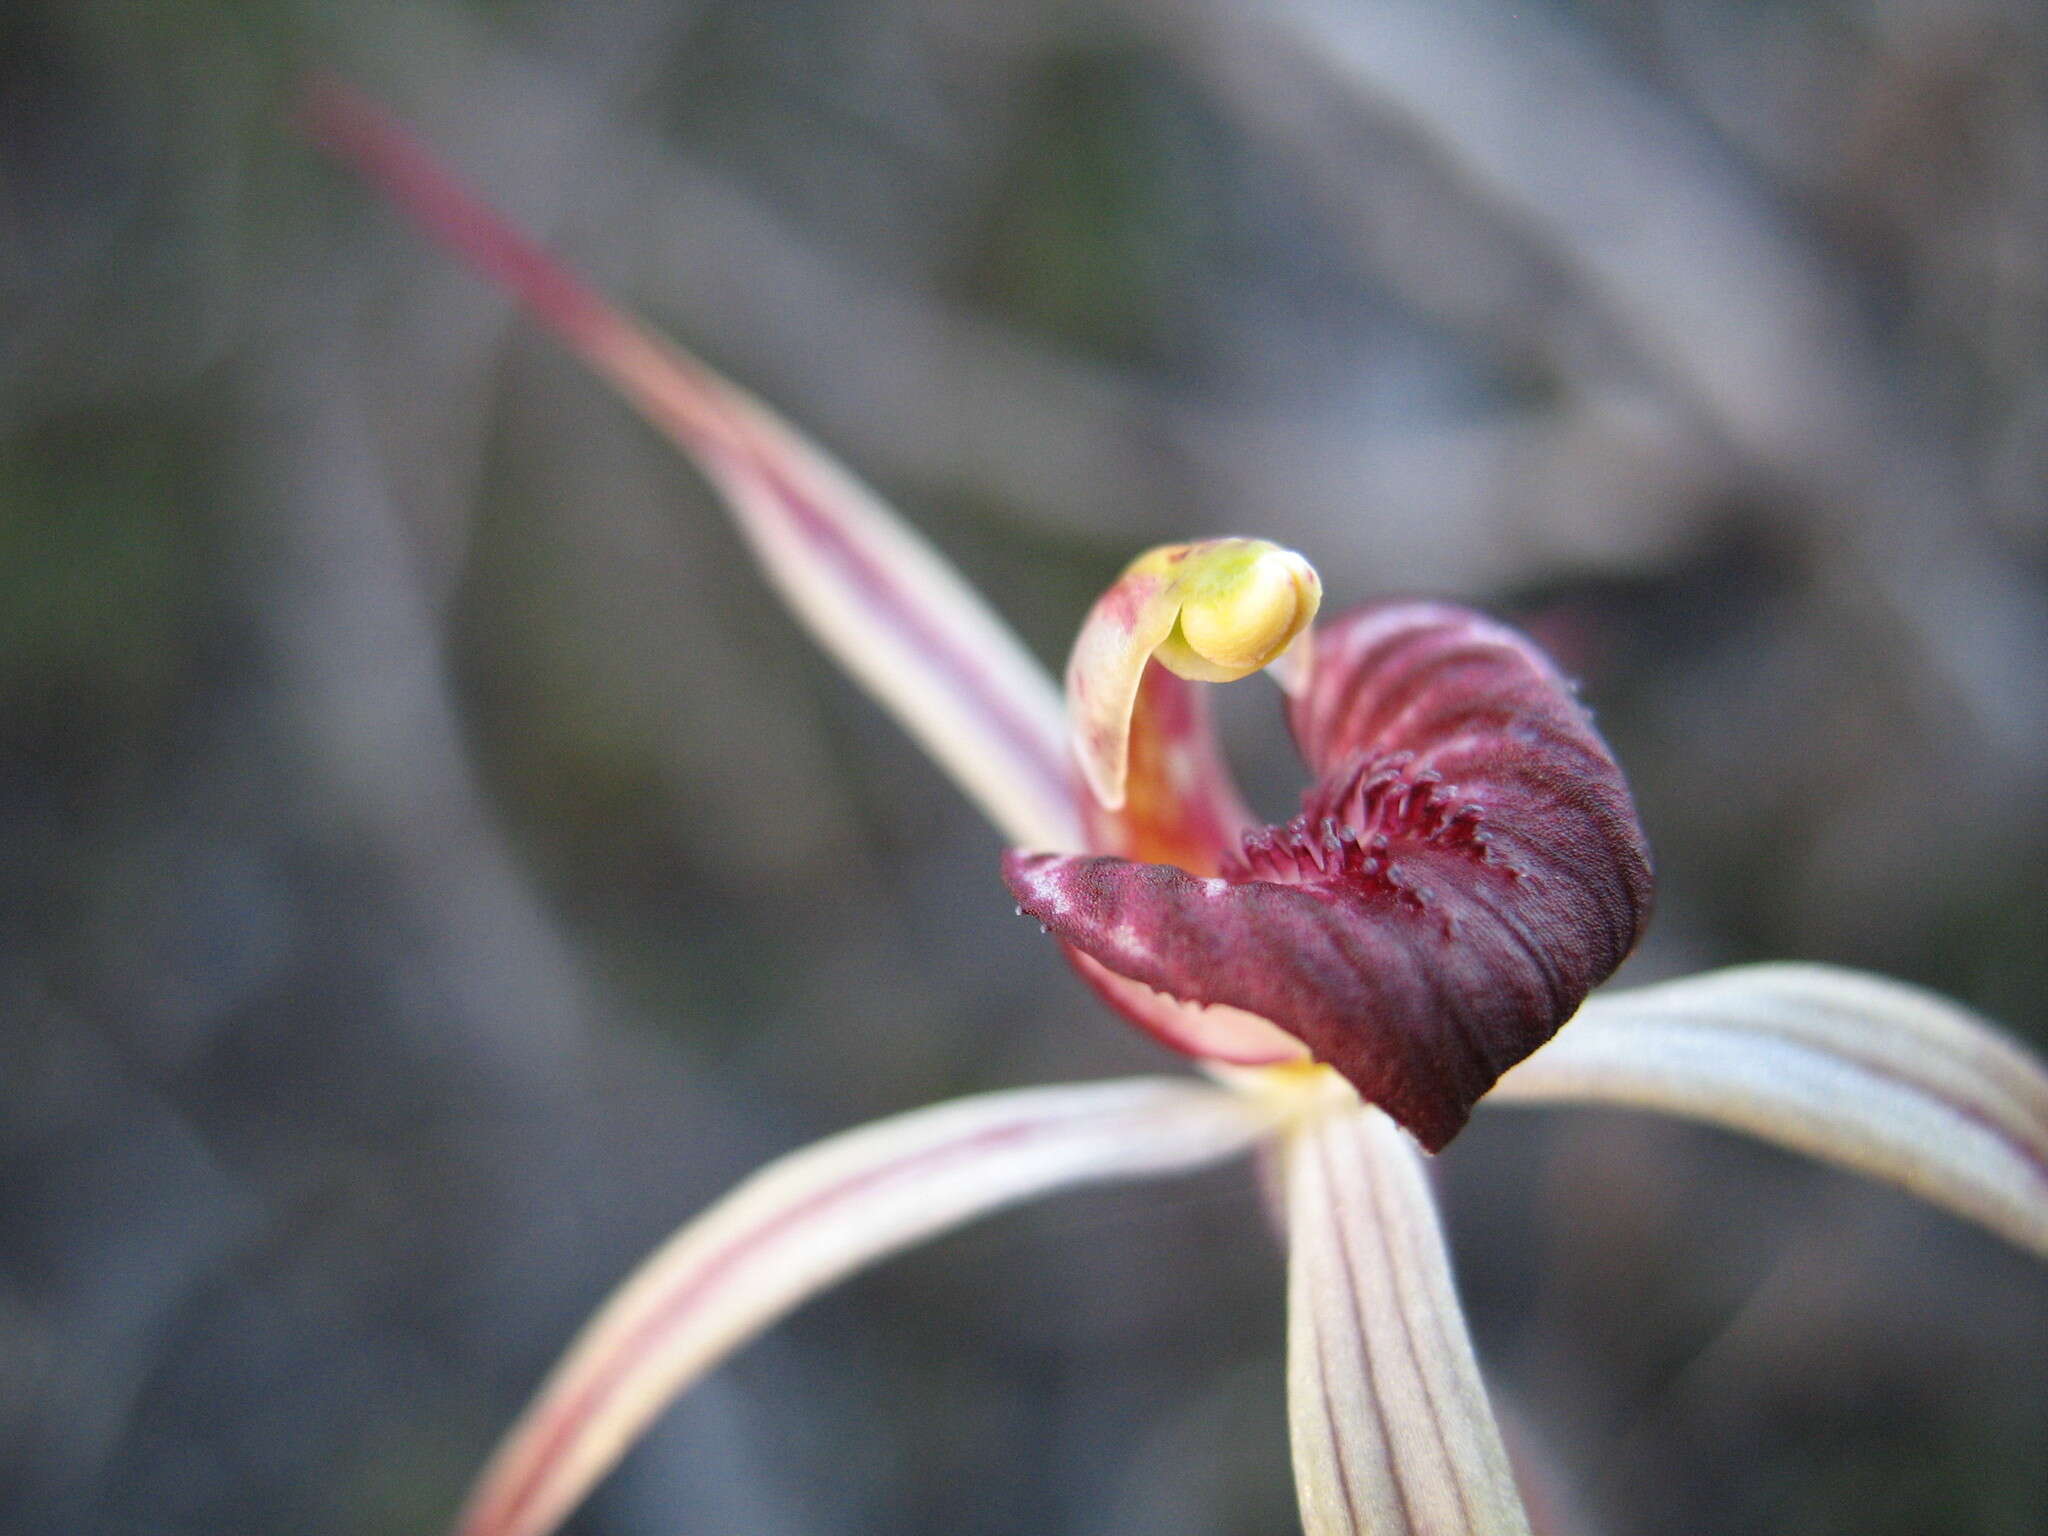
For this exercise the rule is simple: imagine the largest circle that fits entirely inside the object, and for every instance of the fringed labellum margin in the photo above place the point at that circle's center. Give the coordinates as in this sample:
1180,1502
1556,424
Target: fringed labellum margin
1466,868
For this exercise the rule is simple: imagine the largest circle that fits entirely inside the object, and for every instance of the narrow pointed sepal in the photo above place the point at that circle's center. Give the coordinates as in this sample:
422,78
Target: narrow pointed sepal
1870,1074
806,1222
1392,1432
1467,869
873,592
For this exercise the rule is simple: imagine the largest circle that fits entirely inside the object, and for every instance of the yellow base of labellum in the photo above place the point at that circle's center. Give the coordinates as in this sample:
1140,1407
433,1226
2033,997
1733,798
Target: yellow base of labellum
1212,612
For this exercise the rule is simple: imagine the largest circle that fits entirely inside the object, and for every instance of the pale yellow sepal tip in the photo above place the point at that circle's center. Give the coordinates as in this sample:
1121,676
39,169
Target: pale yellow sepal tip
1211,612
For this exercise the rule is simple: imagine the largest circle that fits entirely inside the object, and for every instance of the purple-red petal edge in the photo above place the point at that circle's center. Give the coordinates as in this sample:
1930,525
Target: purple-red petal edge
1467,867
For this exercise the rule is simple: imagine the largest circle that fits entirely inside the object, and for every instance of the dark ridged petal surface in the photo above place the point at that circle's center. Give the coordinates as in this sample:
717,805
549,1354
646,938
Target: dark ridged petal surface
1467,868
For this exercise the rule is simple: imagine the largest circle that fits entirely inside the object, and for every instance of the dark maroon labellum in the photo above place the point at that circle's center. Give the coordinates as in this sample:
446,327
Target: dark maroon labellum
1466,869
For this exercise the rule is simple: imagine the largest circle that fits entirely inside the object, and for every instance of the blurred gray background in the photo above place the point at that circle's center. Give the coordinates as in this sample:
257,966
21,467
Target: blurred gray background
433,867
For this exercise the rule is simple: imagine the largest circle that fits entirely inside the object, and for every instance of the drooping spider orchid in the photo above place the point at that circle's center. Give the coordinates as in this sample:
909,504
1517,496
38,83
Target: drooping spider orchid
1466,868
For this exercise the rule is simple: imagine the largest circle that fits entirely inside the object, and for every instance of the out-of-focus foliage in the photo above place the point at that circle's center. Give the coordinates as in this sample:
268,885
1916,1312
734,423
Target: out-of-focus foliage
433,867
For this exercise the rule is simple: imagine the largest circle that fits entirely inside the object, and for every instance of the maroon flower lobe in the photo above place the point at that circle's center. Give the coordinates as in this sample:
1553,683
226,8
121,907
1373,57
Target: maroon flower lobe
1467,867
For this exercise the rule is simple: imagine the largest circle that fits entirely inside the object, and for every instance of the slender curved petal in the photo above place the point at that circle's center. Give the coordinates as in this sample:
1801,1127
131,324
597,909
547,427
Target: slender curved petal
1874,1075
1392,1432
805,1222
874,593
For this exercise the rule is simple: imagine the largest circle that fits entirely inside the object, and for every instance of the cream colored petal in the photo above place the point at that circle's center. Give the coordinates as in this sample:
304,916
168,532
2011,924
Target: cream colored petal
1392,1432
873,592
806,1222
1874,1075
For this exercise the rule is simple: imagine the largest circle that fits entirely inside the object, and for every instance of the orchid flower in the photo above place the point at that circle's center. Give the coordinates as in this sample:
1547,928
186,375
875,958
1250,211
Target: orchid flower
1466,869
